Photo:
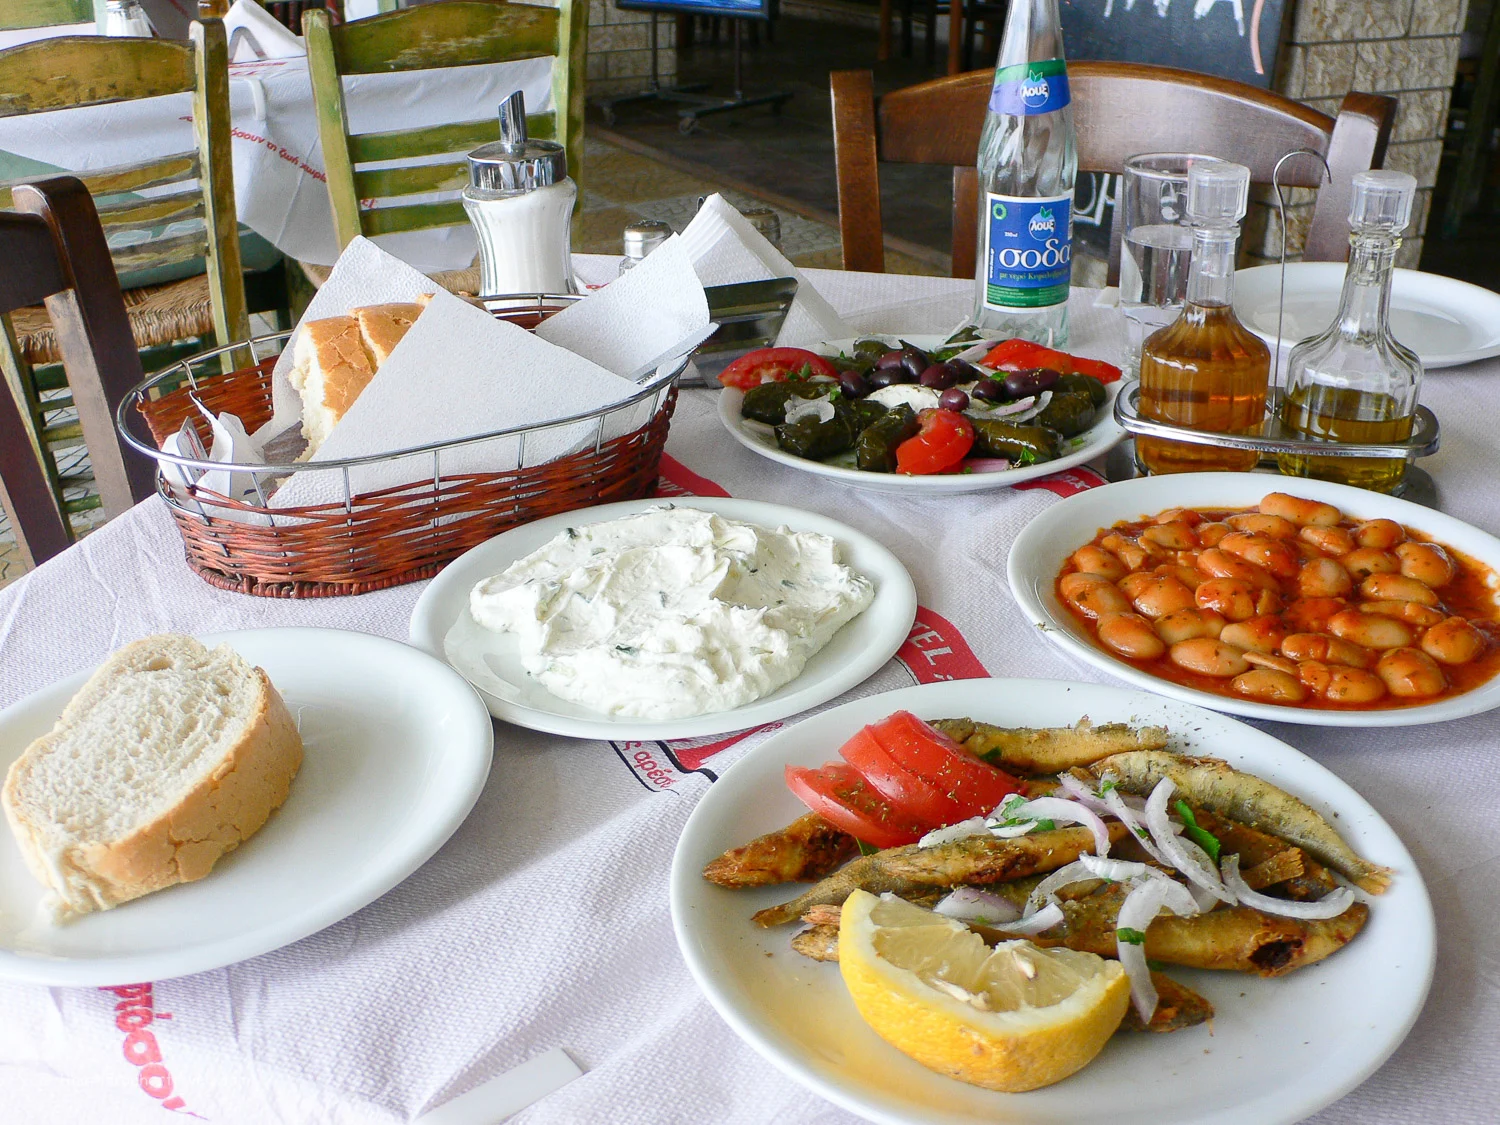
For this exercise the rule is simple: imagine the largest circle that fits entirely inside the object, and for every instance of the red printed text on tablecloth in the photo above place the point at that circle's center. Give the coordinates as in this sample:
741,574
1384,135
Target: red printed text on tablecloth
135,1014
1069,482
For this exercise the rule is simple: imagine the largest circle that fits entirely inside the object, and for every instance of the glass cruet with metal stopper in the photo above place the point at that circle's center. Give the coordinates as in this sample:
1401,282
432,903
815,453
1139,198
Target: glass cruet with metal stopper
1354,381
520,200
1206,371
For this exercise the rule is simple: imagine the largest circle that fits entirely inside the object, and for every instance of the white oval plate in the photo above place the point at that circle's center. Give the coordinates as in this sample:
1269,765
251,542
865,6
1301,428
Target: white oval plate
857,651
1045,543
1445,321
1279,1049
396,750
759,438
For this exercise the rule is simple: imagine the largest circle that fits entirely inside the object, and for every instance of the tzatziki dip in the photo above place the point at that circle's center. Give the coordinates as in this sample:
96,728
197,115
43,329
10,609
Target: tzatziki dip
671,612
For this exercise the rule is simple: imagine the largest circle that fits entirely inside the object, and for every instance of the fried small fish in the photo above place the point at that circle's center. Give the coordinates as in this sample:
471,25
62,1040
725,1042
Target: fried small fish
1049,750
1217,787
912,870
804,851
821,943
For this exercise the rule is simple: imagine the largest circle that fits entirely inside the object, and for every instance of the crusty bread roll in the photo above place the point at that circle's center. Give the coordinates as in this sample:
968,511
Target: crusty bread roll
169,757
335,358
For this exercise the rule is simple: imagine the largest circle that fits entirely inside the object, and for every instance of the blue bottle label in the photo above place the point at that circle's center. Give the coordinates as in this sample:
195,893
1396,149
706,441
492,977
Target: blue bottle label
1030,88
1028,256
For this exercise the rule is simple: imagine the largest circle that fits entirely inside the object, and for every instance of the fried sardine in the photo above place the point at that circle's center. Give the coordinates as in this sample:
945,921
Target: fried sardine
805,850
1049,750
1218,787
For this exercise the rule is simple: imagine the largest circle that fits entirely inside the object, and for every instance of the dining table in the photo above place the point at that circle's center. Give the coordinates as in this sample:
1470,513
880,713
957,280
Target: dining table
279,181
539,936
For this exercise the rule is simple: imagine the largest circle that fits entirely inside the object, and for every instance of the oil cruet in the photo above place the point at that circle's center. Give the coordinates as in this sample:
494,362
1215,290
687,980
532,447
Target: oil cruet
1354,382
1206,370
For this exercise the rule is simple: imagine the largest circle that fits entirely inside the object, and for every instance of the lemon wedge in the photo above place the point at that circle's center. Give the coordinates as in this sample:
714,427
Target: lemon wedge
1012,1018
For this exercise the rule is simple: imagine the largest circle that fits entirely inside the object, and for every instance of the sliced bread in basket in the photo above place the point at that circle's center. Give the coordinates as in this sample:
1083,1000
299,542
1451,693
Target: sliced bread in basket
171,755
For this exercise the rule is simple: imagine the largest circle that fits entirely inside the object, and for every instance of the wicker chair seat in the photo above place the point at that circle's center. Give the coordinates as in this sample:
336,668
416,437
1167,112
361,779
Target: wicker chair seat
159,314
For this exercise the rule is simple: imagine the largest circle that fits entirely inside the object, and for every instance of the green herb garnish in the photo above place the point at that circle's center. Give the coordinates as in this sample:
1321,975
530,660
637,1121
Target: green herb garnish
866,849
1203,838
1131,937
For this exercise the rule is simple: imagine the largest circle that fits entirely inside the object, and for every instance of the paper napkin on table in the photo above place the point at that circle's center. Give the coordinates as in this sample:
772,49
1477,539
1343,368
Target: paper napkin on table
636,322
725,249
457,373
275,40
364,275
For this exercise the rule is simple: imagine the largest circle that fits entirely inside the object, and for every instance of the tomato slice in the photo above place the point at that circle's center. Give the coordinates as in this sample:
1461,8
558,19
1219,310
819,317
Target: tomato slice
838,794
917,747
943,441
906,791
775,365
1021,355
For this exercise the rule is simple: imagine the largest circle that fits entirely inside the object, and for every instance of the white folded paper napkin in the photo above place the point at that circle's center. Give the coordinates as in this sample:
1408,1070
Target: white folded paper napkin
653,312
726,249
274,40
457,373
231,445
364,275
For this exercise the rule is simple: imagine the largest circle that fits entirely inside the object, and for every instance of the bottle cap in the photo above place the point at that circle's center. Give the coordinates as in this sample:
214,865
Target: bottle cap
1382,199
1217,194
515,162
644,236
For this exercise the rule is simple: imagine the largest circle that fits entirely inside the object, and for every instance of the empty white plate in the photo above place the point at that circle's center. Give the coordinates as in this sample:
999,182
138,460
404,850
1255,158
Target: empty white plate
1445,321
396,748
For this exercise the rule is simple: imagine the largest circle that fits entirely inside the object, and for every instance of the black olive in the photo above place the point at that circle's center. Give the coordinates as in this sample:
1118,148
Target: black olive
954,399
888,376
853,384
939,377
991,390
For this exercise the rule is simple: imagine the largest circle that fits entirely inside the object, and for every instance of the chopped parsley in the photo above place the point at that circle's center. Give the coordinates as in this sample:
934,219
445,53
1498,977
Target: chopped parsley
628,650
866,849
1203,838
1131,937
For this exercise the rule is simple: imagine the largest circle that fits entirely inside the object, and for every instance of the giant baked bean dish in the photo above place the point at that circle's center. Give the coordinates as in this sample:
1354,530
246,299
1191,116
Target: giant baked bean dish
1289,603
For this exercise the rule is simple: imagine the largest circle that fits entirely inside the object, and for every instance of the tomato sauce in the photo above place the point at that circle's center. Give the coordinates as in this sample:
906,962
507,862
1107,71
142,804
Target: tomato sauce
1473,593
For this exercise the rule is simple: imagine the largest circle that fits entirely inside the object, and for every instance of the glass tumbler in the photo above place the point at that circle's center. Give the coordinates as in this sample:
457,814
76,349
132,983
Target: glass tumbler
1156,247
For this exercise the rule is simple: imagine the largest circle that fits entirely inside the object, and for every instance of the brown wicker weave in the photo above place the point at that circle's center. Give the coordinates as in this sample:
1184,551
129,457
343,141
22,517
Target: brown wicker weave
385,538
159,314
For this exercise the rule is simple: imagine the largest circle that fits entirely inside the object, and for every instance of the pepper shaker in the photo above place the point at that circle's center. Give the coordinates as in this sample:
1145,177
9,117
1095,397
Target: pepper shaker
641,238
520,200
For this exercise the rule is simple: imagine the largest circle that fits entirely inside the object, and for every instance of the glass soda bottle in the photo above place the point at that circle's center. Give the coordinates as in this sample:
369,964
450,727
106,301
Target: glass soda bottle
1353,381
1206,370
1028,158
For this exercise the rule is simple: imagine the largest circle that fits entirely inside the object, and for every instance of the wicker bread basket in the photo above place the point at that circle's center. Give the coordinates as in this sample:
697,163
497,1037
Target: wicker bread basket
383,538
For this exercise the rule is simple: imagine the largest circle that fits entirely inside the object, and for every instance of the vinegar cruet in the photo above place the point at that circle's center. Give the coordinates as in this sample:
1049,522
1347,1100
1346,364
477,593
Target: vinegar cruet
1205,370
1354,382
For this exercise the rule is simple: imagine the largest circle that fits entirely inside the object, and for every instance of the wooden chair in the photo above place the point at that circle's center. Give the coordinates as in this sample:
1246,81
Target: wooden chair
1119,110
55,251
15,14
195,188
456,33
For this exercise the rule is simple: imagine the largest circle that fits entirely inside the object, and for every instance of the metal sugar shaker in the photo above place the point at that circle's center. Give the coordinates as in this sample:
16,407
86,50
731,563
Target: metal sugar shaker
520,200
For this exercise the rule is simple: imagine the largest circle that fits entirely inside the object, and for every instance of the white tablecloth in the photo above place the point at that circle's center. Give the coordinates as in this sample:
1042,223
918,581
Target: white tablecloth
278,165
543,923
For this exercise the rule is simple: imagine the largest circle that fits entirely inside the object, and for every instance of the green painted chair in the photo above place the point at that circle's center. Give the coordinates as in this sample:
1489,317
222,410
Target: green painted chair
15,14
189,215
454,33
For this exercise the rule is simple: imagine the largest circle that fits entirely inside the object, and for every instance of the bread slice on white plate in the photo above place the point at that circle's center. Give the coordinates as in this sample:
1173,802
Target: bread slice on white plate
170,756
335,358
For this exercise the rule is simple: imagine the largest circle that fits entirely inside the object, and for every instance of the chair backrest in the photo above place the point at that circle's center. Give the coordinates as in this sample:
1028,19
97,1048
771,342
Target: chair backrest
194,189
55,252
455,33
15,14
1119,109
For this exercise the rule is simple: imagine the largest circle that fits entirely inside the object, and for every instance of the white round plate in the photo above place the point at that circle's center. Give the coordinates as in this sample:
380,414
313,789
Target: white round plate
492,661
1279,1049
759,438
1445,321
1044,544
396,748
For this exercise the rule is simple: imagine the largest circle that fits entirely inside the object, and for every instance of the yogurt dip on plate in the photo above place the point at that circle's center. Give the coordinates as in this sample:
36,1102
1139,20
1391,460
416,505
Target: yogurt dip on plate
671,612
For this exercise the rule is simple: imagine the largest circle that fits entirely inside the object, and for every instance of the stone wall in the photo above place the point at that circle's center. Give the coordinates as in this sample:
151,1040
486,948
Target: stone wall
620,49
1405,48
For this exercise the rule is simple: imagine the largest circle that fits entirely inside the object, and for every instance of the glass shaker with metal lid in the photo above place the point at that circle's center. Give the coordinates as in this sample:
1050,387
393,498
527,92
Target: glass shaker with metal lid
520,201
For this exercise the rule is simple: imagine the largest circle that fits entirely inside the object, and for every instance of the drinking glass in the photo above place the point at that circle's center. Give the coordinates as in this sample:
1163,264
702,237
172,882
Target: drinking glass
1156,245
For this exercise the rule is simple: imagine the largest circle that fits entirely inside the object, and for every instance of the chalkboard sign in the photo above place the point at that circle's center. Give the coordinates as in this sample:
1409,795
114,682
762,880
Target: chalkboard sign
1235,39
743,9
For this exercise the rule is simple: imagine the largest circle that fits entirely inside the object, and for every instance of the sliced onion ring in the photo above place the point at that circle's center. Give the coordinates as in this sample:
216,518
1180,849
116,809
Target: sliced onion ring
970,904
1186,856
1330,905
1055,809
974,826
1044,919
1137,912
